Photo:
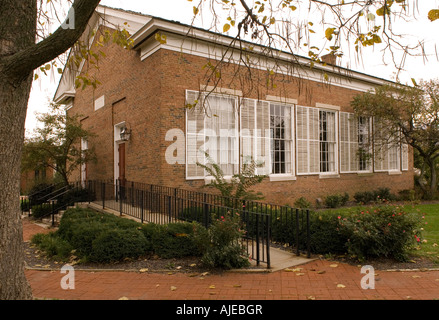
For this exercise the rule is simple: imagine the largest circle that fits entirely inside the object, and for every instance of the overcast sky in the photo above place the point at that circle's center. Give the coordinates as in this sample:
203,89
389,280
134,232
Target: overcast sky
181,10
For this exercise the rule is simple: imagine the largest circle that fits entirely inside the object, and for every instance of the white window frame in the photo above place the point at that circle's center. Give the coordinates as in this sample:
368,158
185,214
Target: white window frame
387,149
353,144
291,174
252,138
84,148
335,171
404,157
308,137
204,133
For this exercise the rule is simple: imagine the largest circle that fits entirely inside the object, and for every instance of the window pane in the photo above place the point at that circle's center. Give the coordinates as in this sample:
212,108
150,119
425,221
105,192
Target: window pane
281,142
327,141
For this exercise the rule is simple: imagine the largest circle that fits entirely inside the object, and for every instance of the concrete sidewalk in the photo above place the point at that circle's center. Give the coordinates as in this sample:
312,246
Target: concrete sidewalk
293,280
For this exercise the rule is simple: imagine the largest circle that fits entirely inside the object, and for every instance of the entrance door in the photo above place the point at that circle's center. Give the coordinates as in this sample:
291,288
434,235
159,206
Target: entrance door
121,166
121,163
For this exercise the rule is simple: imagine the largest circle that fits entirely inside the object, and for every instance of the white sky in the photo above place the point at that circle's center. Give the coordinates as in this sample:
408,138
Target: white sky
181,10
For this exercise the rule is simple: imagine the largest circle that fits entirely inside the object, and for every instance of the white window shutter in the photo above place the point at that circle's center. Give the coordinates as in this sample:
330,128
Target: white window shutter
404,157
307,133
247,130
194,137
344,142
302,139
314,141
262,137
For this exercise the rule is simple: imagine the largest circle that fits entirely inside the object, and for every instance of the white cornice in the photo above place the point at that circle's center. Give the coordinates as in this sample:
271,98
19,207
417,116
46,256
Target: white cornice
203,43
103,16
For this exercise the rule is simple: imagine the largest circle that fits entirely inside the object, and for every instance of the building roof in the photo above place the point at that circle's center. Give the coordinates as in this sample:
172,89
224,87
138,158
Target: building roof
143,27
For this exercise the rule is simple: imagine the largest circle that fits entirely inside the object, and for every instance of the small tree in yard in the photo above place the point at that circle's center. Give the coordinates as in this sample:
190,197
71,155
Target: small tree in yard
57,144
410,116
238,187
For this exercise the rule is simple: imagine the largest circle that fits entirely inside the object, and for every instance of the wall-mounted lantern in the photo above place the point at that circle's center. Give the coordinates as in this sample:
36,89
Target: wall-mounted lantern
125,134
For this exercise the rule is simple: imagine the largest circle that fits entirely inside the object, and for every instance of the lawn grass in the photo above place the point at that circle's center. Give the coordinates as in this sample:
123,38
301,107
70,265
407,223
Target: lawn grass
429,246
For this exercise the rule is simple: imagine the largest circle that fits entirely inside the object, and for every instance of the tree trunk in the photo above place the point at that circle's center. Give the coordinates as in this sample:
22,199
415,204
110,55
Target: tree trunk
433,178
17,32
13,102
19,56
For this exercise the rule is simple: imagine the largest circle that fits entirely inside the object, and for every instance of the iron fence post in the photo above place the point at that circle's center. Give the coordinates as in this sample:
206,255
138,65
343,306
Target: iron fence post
169,208
121,198
297,232
268,241
132,193
308,235
257,240
53,213
103,195
205,211
142,194
117,190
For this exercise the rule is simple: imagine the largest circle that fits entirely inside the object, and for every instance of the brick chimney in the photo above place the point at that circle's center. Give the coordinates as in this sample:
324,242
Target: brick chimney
329,59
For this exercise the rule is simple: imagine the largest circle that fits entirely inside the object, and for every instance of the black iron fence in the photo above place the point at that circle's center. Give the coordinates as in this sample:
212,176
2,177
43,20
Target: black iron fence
263,222
50,199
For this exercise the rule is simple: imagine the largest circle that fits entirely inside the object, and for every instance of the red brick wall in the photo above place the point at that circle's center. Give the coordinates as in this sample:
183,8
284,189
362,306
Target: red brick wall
150,98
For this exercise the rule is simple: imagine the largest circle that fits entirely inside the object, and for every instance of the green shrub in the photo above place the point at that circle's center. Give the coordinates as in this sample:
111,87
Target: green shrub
222,247
53,246
325,237
379,195
81,227
41,210
337,200
74,195
84,234
25,205
117,244
407,195
173,240
283,226
384,231
302,203
197,214
364,197
38,193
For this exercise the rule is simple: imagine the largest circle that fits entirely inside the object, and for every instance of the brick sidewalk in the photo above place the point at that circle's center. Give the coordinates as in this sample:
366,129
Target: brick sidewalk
319,280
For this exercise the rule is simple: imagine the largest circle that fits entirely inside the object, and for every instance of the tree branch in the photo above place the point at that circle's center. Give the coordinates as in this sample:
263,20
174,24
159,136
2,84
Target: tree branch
20,64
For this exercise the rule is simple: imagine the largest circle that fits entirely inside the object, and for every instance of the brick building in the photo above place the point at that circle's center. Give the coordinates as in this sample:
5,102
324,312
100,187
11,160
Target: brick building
298,126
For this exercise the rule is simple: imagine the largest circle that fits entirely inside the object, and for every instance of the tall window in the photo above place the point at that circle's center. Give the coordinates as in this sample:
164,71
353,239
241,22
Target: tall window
281,138
355,146
211,127
364,146
386,148
327,141
255,134
266,136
